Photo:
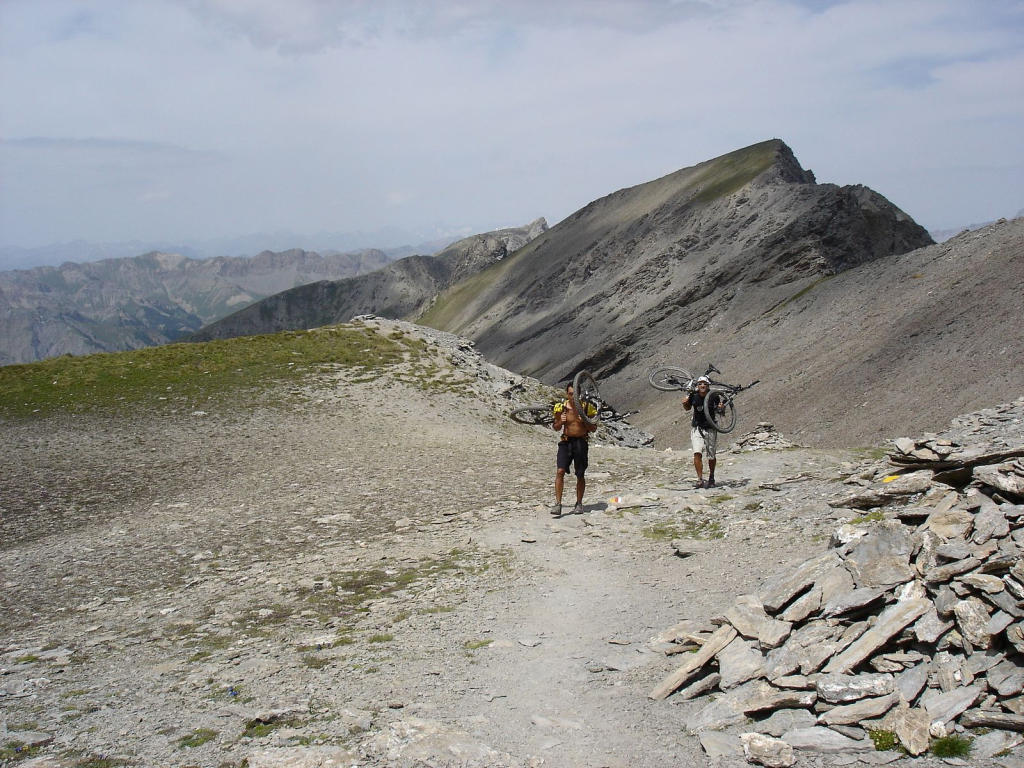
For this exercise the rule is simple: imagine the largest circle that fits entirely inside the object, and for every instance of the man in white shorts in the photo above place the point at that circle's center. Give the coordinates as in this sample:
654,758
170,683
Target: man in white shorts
703,436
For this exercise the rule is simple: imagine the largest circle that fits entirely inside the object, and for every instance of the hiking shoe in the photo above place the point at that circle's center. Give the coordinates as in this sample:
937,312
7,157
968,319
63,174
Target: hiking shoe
699,484
556,510
578,509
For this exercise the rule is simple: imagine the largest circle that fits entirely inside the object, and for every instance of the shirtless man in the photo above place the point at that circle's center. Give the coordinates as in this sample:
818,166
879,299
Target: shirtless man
572,449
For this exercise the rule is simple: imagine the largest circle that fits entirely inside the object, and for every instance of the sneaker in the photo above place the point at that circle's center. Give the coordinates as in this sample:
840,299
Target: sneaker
578,509
699,484
556,510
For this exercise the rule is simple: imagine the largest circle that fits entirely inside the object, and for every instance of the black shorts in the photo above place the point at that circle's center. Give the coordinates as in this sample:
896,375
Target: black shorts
573,449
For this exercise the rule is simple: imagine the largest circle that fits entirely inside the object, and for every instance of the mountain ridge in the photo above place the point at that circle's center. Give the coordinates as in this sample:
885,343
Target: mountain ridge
402,288
154,298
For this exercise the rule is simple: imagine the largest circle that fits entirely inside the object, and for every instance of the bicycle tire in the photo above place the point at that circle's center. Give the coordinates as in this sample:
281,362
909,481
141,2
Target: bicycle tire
584,393
722,422
533,414
669,378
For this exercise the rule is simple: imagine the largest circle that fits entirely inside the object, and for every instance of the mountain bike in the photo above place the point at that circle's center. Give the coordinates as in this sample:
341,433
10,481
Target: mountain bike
586,399
720,410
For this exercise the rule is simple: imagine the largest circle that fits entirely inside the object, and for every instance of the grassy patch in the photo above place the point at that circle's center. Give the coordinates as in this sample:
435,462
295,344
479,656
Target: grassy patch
472,645
951,746
885,741
684,528
315,662
802,292
14,751
870,517
383,637
348,592
192,376
197,738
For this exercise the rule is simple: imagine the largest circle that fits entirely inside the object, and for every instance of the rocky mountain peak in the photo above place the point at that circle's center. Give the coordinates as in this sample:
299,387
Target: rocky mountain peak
785,168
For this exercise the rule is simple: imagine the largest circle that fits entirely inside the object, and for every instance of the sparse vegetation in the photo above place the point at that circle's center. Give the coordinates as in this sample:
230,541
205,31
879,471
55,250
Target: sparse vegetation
315,662
473,645
870,517
238,371
197,738
684,528
884,741
952,746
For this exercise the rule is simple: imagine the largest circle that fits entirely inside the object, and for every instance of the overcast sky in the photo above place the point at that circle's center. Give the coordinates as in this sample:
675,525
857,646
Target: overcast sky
177,119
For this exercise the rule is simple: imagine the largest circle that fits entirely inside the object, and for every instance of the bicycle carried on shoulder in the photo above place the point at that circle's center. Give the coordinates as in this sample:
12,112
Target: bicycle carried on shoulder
587,400
719,407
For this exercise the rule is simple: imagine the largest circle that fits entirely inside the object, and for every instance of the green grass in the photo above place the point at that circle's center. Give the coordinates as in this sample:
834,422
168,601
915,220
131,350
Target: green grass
197,738
352,591
383,637
951,746
192,376
885,741
472,645
730,172
315,662
870,517
684,528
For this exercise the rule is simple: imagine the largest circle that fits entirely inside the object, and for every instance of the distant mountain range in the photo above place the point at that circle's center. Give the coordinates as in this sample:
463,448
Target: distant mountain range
404,288
394,241
114,304
855,322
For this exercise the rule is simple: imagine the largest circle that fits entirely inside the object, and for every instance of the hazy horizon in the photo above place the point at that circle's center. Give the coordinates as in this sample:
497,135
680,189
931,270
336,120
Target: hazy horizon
197,120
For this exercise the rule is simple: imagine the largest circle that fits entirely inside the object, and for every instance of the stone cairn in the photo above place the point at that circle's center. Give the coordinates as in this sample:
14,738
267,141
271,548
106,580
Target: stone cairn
910,625
762,438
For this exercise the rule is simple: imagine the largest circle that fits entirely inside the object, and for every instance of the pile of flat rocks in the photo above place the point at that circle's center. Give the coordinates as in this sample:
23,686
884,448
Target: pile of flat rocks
911,625
762,438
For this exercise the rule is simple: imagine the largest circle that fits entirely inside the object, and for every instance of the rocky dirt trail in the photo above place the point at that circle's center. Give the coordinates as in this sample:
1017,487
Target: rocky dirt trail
368,576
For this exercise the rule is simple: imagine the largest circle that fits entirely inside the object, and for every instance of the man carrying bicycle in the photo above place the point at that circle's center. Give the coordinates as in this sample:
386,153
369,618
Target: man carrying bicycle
572,449
703,436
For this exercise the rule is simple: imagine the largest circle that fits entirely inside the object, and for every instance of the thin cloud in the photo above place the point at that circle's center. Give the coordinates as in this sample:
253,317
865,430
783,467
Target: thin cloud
212,118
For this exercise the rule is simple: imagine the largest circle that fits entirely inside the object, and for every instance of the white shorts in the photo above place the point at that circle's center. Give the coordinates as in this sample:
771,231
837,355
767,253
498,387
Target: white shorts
704,442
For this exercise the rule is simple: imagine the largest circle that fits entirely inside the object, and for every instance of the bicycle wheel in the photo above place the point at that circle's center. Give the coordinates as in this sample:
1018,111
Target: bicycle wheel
586,398
668,378
722,421
533,414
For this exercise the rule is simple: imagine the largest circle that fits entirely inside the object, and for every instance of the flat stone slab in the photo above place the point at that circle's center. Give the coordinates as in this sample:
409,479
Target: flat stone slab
717,745
825,740
994,743
786,587
912,728
891,621
947,706
783,720
739,662
840,689
764,750
865,709
749,618
766,698
855,600
972,619
882,558
1006,678
716,642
